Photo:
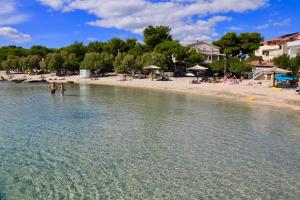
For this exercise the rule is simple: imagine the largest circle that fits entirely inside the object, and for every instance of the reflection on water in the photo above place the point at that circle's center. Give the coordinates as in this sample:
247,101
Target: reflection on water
117,143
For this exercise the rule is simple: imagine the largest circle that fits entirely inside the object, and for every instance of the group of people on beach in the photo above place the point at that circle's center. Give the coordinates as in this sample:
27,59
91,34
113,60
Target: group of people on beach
53,87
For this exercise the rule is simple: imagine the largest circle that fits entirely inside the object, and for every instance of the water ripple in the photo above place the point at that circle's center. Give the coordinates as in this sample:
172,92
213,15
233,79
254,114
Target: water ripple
118,143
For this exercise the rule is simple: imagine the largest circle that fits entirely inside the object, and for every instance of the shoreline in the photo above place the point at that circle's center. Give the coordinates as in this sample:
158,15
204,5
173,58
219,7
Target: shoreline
254,94
262,100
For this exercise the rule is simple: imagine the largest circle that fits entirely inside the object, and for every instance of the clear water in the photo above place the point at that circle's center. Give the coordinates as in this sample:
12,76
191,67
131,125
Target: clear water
117,143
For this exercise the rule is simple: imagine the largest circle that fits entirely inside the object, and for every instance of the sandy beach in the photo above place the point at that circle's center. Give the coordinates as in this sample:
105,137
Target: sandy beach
256,93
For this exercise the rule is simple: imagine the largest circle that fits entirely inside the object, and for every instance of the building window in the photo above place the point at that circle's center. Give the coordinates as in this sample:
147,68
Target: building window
266,53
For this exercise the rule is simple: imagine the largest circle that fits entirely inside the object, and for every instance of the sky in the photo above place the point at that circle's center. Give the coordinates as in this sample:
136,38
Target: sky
58,23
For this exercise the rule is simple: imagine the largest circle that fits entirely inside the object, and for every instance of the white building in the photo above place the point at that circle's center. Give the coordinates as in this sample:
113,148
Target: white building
294,48
278,46
268,52
211,52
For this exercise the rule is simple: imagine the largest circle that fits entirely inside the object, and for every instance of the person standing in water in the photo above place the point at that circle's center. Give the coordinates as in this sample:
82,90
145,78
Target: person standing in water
53,88
62,89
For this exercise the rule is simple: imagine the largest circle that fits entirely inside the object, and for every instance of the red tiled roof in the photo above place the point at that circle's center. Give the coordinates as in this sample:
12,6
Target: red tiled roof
284,38
258,63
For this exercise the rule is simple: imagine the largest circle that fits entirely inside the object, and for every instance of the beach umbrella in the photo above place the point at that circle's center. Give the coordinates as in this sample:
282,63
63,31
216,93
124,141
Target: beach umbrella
197,68
190,75
276,70
152,68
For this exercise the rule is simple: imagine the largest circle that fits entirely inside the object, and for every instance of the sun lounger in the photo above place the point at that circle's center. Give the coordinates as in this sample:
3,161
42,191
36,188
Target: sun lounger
195,82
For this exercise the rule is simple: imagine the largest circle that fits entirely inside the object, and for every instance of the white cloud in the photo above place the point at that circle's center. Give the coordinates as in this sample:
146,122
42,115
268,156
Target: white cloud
285,22
6,7
188,18
55,4
91,39
14,35
10,16
263,26
235,28
8,13
274,23
14,19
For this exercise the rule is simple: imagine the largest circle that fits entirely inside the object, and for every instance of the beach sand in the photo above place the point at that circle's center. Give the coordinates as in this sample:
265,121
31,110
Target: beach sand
257,93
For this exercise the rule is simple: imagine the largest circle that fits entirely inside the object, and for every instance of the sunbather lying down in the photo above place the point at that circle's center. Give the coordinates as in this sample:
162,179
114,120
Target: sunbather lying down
195,82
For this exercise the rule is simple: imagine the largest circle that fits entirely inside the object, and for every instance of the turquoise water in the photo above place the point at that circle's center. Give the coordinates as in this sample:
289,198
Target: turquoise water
117,143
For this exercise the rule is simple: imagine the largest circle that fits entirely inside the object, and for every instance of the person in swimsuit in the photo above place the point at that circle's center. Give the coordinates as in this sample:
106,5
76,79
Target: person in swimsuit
53,88
62,89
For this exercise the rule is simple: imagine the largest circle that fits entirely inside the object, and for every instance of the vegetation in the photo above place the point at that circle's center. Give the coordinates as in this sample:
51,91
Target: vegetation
154,58
97,61
285,62
233,64
130,56
156,35
31,62
128,64
123,56
233,45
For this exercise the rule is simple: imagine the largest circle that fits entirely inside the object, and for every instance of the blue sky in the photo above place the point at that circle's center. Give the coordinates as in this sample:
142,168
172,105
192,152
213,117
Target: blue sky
57,23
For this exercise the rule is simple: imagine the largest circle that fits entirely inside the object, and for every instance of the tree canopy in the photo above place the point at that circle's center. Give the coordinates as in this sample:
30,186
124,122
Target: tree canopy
233,44
233,64
54,62
127,55
286,62
156,35
97,61
156,59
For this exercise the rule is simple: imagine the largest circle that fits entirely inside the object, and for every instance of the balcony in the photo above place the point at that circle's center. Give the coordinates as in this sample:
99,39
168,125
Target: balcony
294,48
294,44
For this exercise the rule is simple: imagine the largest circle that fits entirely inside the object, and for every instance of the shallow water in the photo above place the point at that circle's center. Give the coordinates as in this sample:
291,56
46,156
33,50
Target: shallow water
118,143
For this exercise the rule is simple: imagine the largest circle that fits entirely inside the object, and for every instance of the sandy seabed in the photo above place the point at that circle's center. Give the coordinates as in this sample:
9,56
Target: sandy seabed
254,93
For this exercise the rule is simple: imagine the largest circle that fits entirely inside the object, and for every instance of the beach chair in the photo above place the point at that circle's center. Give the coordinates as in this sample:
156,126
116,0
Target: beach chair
195,82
